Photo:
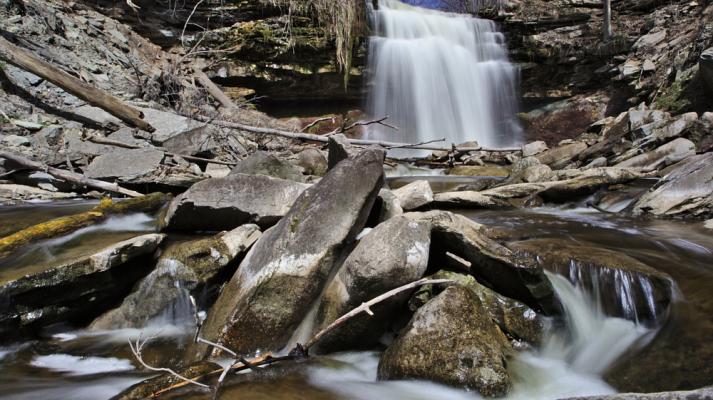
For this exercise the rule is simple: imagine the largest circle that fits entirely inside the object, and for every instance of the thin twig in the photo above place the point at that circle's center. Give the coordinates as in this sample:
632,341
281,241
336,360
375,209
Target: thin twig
136,350
183,32
420,144
315,122
379,121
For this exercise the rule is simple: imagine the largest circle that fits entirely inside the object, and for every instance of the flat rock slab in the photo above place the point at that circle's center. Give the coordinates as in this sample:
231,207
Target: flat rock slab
126,164
264,163
76,290
167,124
686,190
225,203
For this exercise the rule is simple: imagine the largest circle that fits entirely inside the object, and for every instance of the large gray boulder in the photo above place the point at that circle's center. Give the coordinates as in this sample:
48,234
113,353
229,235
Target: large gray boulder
286,270
225,203
505,271
184,269
74,291
663,156
391,255
686,190
451,340
627,287
264,163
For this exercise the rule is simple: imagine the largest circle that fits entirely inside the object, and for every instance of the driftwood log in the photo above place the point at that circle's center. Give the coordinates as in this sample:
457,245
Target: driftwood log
64,225
25,60
68,175
325,139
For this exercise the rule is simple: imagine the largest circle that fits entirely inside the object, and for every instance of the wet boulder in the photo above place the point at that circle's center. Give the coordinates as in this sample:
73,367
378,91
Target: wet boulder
183,270
663,156
686,190
451,340
285,271
225,203
492,263
414,195
75,291
391,255
627,287
518,321
264,163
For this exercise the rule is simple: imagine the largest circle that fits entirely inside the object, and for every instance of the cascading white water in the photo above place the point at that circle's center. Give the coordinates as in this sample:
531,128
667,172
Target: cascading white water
441,75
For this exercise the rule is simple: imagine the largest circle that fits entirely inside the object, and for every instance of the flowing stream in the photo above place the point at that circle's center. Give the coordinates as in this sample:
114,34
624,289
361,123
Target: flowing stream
437,74
572,360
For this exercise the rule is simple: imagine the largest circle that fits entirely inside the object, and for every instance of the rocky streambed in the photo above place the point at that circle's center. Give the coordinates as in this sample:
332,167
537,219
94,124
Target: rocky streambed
567,297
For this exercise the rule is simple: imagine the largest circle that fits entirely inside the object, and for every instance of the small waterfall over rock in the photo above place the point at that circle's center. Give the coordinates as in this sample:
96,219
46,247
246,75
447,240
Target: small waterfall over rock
441,75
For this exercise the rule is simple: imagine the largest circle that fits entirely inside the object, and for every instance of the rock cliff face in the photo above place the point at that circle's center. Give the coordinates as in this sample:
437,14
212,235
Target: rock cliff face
266,52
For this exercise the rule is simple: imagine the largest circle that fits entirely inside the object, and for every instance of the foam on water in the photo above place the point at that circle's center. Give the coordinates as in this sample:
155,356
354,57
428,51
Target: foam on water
438,75
77,366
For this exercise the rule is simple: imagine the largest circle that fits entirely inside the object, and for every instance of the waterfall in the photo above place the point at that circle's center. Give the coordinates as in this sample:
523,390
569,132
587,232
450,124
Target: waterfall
439,75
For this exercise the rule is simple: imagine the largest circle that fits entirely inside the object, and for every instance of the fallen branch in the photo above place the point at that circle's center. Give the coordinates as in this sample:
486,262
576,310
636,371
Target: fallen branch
379,121
325,139
366,308
116,143
214,90
64,225
68,175
421,143
136,349
315,122
92,95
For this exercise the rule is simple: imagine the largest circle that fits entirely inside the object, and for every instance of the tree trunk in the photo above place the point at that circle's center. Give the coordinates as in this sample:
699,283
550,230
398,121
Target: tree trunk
96,97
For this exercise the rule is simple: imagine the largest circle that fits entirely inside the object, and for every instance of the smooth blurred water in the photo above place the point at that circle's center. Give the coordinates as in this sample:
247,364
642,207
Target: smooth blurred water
439,75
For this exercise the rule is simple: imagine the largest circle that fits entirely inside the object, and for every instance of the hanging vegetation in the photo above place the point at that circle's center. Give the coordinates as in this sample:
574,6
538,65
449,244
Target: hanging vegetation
343,20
